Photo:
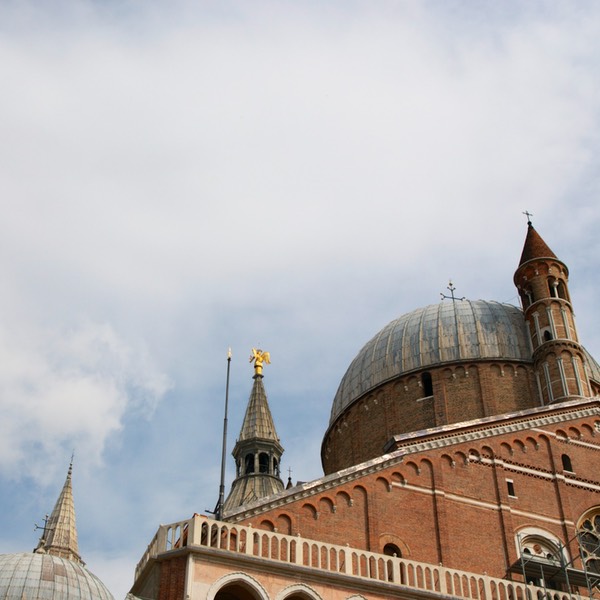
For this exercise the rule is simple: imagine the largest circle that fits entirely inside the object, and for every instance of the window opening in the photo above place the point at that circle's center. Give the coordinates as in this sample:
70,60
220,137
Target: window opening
427,384
566,463
263,462
511,488
392,550
562,291
589,542
249,463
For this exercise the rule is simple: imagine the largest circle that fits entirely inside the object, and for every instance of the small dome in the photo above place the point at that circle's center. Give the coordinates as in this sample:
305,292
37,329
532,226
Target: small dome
46,577
448,332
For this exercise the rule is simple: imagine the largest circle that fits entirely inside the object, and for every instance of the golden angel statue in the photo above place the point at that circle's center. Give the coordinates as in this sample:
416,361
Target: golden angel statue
259,357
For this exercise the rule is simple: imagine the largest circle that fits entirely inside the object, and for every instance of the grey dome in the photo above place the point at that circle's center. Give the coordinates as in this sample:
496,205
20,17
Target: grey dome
46,577
593,366
440,333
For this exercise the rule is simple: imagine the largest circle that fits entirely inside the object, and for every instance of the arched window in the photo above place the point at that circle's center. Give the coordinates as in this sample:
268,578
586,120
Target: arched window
566,463
547,335
537,550
561,288
526,298
427,384
249,464
392,550
588,533
263,462
236,591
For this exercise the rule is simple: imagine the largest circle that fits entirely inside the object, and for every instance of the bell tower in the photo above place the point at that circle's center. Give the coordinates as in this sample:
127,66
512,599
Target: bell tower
257,451
559,360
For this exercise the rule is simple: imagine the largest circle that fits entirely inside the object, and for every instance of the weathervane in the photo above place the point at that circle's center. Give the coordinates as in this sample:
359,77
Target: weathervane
529,215
452,296
259,357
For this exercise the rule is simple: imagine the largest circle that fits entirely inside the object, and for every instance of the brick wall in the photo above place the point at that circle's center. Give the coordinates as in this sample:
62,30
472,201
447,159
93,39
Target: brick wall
453,505
460,393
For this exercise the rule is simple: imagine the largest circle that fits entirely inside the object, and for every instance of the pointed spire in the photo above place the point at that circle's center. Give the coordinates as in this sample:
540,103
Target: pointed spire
60,532
257,451
258,421
535,246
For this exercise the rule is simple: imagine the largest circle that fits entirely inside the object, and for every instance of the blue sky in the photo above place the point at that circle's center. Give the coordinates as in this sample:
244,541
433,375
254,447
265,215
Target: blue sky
177,179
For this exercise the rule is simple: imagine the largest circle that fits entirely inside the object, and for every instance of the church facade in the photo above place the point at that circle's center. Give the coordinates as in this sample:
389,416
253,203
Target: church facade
461,460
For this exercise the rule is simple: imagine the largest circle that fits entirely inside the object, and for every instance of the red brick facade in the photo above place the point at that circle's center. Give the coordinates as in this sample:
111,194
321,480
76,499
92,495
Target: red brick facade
473,467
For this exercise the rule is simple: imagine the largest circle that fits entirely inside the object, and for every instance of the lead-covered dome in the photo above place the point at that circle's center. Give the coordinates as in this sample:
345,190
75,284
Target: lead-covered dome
46,577
456,331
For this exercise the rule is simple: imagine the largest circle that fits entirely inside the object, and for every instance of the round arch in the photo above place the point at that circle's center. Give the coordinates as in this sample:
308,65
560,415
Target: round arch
588,535
298,591
237,586
537,542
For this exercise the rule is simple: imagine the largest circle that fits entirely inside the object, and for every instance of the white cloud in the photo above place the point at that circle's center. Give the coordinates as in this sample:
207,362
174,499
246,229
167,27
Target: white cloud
68,389
176,179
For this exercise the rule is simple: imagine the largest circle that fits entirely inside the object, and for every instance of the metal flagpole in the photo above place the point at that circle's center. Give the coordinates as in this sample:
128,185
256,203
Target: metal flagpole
219,508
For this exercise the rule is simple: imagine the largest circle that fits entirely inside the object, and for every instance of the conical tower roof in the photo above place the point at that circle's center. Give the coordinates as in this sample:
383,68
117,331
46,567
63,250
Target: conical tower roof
535,246
258,421
257,451
60,532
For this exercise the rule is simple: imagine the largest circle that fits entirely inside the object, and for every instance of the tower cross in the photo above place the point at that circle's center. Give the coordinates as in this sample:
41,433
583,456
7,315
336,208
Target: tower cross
529,215
452,296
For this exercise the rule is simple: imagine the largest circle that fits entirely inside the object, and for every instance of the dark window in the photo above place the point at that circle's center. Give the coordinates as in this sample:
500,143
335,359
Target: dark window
511,488
547,336
392,550
249,463
562,291
263,462
566,462
427,384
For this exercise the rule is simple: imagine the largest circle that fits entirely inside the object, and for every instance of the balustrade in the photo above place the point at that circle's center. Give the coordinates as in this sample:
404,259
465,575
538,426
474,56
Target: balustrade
200,531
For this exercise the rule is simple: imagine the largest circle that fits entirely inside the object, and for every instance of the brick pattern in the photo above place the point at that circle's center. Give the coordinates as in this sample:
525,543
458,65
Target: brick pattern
172,579
460,393
452,506
543,287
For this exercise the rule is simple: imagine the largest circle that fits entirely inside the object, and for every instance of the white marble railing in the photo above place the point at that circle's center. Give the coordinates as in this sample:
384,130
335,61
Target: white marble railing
201,531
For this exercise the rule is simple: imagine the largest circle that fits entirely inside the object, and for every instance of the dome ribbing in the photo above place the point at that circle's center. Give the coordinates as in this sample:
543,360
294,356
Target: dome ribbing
440,333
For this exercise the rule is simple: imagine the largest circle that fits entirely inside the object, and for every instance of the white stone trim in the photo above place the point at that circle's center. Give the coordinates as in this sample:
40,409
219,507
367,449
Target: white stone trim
301,588
238,576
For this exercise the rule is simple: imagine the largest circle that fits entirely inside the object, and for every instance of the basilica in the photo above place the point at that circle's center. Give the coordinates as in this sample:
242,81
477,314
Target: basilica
460,460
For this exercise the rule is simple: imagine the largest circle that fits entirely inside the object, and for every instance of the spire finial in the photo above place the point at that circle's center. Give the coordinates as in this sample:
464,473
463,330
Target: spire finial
259,357
529,215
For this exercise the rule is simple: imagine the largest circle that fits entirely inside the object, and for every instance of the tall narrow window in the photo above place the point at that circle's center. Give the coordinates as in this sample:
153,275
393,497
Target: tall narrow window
249,464
566,463
427,384
263,462
510,486
562,291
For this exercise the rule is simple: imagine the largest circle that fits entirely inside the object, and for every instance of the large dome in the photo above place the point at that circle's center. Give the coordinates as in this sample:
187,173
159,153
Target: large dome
45,577
462,330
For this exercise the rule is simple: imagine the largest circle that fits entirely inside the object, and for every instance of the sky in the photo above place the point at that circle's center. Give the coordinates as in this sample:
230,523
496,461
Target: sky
179,178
